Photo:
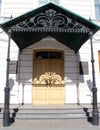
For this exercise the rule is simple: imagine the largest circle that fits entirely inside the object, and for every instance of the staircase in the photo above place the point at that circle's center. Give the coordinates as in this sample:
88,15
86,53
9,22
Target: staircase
49,112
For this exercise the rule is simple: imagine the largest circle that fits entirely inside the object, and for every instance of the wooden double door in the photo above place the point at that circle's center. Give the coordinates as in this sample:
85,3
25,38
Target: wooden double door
48,77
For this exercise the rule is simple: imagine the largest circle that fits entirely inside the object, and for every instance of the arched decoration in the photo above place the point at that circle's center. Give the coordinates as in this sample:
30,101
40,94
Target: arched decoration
50,21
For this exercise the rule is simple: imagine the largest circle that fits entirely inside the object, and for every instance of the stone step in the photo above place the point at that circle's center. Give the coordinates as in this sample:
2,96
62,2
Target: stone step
29,112
48,113
56,110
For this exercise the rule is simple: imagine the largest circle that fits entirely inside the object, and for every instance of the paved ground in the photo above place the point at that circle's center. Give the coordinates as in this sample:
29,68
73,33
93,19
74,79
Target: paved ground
51,125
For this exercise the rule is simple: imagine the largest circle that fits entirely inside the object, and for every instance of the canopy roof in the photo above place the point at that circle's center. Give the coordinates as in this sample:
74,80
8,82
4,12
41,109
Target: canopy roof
50,20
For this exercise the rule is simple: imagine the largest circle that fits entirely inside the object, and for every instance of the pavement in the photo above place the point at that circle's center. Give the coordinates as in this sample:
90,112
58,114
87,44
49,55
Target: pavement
69,124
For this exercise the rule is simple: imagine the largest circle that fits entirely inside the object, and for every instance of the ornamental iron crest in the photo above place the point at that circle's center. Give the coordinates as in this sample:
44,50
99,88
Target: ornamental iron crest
49,78
50,21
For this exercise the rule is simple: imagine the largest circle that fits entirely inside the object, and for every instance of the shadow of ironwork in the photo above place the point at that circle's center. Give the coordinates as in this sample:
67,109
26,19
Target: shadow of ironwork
89,118
12,118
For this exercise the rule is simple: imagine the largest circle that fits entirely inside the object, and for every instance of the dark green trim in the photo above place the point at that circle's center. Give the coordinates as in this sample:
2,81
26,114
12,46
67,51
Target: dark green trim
74,39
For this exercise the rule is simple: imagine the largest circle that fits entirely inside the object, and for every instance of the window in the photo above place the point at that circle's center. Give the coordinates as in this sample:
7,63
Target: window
0,7
43,2
97,9
83,68
48,55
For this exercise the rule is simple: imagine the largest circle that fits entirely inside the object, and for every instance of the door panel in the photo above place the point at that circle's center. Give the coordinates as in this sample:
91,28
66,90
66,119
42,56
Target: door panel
40,95
48,81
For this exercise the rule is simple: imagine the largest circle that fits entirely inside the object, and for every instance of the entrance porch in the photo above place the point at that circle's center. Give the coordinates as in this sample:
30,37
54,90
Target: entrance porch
66,27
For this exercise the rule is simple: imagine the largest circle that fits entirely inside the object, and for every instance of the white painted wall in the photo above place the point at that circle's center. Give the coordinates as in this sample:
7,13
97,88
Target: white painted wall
15,8
3,63
77,87
71,76
72,91
81,7
85,55
96,45
3,55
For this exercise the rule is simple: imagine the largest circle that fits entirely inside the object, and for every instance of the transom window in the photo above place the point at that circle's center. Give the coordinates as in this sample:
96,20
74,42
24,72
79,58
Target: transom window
43,2
48,55
97,9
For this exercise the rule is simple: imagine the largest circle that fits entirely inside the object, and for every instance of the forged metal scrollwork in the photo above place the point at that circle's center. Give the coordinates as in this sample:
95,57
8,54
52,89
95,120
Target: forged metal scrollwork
49,78
50,21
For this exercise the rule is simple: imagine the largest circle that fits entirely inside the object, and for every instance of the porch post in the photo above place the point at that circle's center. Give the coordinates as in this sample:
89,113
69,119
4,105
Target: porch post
95,113
6,112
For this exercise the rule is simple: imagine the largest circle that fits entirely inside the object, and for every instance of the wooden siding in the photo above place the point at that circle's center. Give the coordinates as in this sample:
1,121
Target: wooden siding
71,65
81,7
17,7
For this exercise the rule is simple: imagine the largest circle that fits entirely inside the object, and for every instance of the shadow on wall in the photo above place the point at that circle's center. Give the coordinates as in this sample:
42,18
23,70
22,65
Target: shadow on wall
11,83
75,71
89,83
84,71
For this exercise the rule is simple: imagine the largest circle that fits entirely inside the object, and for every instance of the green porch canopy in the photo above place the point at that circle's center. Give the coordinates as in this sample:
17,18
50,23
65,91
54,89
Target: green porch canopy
52,20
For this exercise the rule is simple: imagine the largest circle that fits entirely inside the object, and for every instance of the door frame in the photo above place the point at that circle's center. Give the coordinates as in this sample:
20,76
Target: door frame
48,50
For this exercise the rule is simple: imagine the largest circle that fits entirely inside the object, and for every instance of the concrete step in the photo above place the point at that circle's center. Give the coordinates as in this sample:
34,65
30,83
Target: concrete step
29,112
48,113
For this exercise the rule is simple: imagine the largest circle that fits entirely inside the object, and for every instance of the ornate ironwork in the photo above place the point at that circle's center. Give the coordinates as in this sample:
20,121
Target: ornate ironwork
50,21
95,113
49,78
6,112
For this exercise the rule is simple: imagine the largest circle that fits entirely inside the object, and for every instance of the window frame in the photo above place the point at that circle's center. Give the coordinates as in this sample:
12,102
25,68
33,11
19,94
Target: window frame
48,51
97,9
40,3
0,6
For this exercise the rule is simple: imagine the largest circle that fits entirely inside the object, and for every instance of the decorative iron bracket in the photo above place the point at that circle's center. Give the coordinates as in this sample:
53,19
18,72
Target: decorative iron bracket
50,21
